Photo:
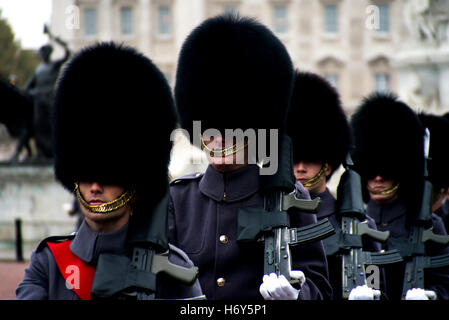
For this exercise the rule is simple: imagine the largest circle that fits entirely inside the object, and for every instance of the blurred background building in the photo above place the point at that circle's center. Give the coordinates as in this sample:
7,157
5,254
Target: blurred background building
353,43
360,46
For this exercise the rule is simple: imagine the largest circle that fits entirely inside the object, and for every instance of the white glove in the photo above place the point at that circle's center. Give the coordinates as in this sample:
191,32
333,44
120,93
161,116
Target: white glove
278,288
420,294
364,293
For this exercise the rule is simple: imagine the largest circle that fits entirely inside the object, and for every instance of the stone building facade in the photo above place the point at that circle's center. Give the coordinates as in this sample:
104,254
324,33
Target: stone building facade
350,42
360,46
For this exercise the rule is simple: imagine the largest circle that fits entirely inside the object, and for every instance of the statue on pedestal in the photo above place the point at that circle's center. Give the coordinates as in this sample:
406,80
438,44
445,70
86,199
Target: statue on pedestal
428,20
423,62
16,114
418,97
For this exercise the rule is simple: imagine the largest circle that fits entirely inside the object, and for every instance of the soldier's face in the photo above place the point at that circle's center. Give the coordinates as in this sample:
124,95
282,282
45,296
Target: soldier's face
97,194
229,163
378,184
306,170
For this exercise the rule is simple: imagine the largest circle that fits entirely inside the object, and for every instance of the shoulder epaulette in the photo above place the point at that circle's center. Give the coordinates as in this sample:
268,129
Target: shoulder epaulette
55,239
187,177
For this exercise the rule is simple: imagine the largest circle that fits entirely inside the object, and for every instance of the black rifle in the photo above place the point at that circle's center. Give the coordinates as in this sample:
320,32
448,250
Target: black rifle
348,240
272,222
134,277
413,249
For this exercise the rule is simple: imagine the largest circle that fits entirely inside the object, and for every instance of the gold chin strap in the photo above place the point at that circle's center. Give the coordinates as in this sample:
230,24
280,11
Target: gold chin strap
387,191
107,207
314,180
226,152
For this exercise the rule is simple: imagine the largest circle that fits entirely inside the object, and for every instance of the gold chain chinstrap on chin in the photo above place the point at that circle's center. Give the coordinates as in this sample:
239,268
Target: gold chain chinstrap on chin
222,153
387,191
107,207
314,180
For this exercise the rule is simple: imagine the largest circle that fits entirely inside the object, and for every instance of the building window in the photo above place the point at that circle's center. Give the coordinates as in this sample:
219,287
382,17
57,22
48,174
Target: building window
126,20
381,82
384,18
331,18
280,19
90,21
164,21
332,78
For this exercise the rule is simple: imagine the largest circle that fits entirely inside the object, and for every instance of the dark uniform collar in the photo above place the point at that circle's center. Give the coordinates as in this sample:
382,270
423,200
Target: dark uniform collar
385,213
230,186
88,244
327,204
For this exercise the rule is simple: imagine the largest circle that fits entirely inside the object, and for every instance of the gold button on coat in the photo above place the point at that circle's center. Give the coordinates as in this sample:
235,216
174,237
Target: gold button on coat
221,282
223,239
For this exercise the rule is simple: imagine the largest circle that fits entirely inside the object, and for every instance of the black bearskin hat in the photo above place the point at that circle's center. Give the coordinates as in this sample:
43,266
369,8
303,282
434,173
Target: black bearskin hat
316,122
439,135
389,141
233,72
16,109
446,115
112,104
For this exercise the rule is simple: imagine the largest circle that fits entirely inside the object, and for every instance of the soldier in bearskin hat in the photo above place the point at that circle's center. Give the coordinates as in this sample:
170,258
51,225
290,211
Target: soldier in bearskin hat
101,126
389,155
233,73
316,108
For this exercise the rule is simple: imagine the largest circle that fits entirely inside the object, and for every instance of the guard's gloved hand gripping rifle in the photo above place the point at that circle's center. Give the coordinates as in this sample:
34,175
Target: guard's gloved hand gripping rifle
413,249
271,223
135,276
347,241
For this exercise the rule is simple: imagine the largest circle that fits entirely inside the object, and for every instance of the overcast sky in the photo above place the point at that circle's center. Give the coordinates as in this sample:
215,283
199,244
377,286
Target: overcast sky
27,18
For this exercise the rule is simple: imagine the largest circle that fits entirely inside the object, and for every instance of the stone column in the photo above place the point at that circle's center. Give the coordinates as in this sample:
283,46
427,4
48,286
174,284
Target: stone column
106,32
143,16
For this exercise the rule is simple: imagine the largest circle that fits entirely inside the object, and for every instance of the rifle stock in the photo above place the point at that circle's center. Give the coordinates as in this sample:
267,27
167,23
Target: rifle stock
278,198
354,226
278,240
